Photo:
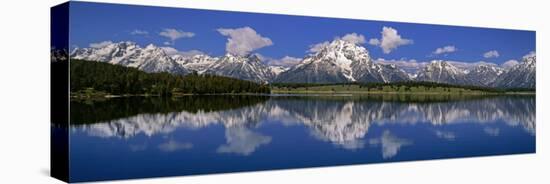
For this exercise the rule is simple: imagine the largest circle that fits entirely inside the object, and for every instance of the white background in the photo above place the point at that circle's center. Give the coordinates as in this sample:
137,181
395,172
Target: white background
24,90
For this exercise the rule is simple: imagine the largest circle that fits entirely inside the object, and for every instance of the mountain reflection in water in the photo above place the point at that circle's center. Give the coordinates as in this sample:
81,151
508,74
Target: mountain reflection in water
342,121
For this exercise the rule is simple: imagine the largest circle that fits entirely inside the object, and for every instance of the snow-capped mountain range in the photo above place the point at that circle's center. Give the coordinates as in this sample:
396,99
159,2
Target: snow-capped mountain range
148,59
337,62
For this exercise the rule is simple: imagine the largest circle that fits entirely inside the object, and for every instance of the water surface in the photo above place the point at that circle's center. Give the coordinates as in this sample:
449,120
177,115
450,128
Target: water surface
147,137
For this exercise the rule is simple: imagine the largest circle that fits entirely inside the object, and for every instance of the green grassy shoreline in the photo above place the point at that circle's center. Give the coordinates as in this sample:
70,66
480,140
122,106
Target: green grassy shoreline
332,89
399,93
393,89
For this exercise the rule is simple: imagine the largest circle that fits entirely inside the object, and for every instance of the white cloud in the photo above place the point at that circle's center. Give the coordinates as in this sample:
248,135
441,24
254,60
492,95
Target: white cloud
530,54
172,51
390,144
174,34
189,53
446,49
492,131
101,44
390,40
318,47
284,61
510,63
374,41
242,141
242,41
445,135
491,54
289,61
172,145
139,32
354,38
409,66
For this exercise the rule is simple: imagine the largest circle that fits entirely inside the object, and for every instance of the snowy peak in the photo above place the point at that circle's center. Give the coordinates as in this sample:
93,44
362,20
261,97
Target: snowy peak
341,61
530,61
198,63
443,66
342,53
522,75
276,70
242,67
332,63
487,68
484,74
442,72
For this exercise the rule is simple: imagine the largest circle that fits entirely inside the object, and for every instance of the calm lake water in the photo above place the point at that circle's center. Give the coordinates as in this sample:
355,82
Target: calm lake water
147,137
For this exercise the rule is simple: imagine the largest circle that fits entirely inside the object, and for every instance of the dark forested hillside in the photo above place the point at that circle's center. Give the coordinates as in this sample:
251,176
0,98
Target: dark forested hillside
118,80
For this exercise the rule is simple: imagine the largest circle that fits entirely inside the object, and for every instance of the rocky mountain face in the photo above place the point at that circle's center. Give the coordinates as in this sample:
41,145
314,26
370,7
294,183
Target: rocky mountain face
339,62
442,72
484,74
198,63
242,67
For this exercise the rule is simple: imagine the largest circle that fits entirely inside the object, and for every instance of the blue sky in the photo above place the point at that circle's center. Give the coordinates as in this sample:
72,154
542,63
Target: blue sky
277,36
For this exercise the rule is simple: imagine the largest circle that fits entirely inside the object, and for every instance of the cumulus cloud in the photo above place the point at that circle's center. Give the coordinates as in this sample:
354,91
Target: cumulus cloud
445,135
390,144
409,66
284,61
318,47
190,53
492,131
242,41
173,51
374,41
354,38
101,44
390,40
510,63
139,32
172,145
491,54
242,141
445,49
174,34
170,50
530,54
